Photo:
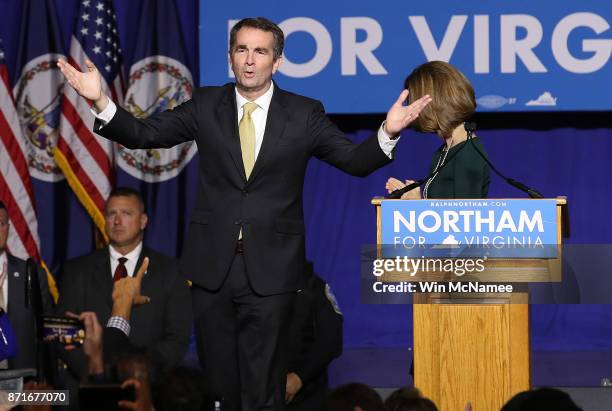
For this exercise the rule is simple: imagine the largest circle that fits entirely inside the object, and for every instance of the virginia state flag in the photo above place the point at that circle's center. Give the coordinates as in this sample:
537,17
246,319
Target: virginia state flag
38,92
159,80
86,159
38,96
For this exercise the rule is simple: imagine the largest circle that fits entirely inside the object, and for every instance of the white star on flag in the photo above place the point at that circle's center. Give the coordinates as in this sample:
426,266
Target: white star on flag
87,158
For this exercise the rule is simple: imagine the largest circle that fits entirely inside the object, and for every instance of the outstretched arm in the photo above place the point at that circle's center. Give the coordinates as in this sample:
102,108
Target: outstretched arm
163,130
333,147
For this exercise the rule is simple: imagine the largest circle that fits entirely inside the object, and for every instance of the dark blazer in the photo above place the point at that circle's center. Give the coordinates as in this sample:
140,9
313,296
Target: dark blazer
267,206
315,340
163,325
23,320
467,176
115,344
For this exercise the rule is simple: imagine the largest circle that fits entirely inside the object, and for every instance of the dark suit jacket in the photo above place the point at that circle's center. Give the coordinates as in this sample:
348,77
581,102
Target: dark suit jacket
23,320
315,340
115,343
163,325
267,206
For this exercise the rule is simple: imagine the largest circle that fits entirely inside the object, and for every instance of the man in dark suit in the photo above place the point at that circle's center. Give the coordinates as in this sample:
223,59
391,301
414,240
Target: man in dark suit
315,340
163,326
13,277
245,247
103,345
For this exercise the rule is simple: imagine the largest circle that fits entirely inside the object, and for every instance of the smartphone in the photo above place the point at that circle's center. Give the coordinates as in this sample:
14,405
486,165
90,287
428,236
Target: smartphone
65,330
103,397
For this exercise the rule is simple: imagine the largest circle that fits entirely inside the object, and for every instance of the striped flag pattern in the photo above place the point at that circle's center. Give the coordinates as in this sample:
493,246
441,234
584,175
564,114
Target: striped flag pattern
86,159
15,184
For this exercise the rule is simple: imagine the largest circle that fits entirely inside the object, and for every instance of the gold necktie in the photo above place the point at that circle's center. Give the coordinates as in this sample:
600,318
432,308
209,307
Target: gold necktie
246,128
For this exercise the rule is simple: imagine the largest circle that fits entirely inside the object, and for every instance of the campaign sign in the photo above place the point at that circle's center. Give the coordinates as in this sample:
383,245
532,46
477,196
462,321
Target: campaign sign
470,228
354,55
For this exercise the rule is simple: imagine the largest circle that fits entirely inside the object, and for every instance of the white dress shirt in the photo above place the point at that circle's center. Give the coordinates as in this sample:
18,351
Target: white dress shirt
259,116
5,286
130,264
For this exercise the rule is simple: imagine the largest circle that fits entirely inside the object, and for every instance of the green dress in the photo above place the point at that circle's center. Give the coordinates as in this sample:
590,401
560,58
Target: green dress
466,176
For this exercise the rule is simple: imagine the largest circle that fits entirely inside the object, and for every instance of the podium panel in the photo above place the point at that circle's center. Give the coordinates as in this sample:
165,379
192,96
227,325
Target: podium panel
474,347
477,353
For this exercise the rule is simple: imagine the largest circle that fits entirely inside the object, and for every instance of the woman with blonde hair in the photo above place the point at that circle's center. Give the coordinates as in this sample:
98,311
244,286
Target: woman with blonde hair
452,105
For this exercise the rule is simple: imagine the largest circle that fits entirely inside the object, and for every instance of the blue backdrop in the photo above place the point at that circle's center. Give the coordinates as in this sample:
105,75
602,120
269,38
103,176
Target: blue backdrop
354,55
339,217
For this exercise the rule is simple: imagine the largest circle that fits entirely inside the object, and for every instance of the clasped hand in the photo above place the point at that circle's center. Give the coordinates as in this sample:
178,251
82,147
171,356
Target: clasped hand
395,184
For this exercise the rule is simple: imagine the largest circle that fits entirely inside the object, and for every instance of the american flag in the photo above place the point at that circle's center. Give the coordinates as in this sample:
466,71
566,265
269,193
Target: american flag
86,159
15,185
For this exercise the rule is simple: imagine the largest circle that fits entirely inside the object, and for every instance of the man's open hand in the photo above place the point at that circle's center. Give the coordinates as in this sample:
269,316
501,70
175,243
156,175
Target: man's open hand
400,116
87,84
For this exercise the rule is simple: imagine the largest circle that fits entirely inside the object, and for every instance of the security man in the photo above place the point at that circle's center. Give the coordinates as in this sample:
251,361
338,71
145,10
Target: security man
315,340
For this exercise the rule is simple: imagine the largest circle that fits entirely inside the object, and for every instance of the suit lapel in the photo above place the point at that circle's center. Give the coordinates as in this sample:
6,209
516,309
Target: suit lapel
141,316
227,120
275,125
103,277
146,279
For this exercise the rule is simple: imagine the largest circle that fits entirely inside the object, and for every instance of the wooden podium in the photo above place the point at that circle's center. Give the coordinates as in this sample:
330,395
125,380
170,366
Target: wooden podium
475,348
